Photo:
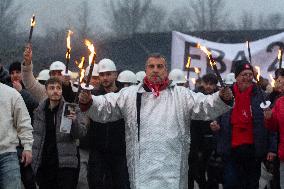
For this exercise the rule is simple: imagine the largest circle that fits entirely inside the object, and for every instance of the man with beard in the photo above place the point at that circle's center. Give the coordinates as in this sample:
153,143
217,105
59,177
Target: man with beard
202,143
55,158
107,167
157,118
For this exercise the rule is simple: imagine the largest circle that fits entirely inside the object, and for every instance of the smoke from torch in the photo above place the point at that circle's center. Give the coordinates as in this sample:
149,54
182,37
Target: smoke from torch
33,22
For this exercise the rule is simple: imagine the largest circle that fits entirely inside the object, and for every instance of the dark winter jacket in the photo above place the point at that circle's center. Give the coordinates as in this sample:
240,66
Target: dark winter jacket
66,143
264,141
107,137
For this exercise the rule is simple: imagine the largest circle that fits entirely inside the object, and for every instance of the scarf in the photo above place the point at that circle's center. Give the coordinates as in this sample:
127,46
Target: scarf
156,88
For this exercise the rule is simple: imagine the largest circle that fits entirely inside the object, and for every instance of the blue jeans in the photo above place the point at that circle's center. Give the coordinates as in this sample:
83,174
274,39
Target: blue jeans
10,177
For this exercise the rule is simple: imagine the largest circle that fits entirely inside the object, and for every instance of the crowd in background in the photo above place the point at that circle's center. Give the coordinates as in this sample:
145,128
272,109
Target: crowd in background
242,148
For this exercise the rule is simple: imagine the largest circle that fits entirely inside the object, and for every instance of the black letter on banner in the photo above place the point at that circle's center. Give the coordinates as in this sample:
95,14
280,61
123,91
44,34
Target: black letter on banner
187,46
269,49
240,56
218,59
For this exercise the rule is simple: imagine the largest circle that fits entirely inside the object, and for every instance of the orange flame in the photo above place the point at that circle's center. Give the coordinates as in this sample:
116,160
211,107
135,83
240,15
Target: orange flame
279,54
272,80
258,72
91,49
33,22
82,74
208,53
193,80
68,39
188,62
80,66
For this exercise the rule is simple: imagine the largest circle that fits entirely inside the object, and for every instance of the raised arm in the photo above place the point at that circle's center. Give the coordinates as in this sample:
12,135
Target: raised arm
209,107
36,89
103,108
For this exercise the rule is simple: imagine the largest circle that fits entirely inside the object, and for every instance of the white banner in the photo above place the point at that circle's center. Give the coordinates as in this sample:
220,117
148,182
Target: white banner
264,54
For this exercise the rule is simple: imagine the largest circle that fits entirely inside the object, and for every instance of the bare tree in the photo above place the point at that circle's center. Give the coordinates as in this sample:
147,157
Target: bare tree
208,14
128,17
272,21
179,20
83,28
154,20
9,12
246,21
200,15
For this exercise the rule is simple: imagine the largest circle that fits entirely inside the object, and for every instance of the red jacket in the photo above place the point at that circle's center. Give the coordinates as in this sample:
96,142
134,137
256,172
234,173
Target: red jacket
276,123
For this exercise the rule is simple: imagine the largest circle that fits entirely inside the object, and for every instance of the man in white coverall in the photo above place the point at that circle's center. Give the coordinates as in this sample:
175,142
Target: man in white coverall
157,116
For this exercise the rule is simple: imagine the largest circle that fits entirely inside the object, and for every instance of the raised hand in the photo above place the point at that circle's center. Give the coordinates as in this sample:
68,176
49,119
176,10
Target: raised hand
28,54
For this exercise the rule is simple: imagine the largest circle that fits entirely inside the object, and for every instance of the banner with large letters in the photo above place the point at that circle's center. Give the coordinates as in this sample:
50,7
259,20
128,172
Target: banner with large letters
263,54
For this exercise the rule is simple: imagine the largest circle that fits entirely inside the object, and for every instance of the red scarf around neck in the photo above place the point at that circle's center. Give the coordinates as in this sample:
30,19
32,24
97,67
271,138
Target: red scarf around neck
156,88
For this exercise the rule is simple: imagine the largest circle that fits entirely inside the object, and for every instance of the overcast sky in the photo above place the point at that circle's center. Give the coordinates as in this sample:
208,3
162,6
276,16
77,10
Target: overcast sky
64,12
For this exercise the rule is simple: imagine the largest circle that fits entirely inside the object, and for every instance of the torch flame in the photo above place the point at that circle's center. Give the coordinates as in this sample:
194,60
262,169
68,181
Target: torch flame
272,80
279,54
188,62
68,43
208,53
82,74
258,72
193,80
68,39
81,64
91,49
196,70
33,22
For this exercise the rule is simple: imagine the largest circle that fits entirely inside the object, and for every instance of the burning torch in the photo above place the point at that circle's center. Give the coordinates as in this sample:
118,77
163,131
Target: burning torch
32,28
212,63
81,66
188,68
197,71
68,52
92,58
280,54
264,104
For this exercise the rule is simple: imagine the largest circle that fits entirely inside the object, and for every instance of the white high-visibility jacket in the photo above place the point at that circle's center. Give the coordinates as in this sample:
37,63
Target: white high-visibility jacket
158,160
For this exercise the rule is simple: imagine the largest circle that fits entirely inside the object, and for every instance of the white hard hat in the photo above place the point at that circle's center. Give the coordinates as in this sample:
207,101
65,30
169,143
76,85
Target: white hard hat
106,65
43,75
95,70
127,77
140,76
230,79
57,65
177,76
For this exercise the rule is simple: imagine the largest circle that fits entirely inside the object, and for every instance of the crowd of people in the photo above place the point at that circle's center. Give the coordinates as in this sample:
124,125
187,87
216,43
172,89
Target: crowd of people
147,130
